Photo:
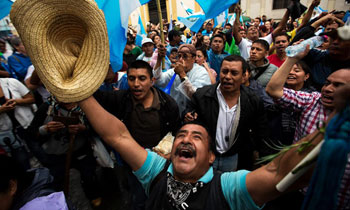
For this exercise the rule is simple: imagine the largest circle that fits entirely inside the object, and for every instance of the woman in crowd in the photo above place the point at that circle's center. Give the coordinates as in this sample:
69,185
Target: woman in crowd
201,59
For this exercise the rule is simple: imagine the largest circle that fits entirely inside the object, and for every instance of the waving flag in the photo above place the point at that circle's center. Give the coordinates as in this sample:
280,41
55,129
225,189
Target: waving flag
193,22
141,33
5,7
186,8
213,8
117,14
221,18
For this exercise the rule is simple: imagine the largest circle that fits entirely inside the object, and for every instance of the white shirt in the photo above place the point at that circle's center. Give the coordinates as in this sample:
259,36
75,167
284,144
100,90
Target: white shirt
225,123
41,89
23,114
245,45
197,78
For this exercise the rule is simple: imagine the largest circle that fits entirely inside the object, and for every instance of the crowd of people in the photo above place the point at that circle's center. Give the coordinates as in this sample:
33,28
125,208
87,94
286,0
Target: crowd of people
228,94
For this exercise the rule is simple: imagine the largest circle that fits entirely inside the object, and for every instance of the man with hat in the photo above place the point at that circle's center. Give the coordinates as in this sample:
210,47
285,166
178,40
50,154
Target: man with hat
148,49
190,75
188,180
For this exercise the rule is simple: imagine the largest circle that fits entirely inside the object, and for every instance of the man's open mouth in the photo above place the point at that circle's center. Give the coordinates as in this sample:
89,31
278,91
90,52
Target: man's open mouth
185,151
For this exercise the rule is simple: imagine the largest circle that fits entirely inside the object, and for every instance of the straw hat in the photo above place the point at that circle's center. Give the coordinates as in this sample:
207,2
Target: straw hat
67,43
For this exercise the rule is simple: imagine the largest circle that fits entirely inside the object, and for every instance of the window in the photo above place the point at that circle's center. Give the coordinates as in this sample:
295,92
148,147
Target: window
280,4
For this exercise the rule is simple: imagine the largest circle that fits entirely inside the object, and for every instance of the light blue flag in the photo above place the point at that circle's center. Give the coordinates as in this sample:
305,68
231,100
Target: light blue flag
193,22
188,10
213,8
141,33
117,14
5,7
142,29
221,18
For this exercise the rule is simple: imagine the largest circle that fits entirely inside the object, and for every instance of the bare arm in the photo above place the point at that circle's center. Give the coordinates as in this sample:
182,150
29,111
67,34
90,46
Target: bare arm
236,34
282,24
26,99
114,132
268,176
308,14
275,86
325,19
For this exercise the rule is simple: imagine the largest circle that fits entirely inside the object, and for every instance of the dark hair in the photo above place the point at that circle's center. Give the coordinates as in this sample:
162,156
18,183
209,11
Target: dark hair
301,64
230,58
173,33
263,43
217,35
228,24
140,64
10,170
281,34
258,18
155,36
203,49
197,122
15,41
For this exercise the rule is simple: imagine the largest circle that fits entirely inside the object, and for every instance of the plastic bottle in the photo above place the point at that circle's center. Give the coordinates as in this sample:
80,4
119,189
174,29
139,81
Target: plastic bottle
315,41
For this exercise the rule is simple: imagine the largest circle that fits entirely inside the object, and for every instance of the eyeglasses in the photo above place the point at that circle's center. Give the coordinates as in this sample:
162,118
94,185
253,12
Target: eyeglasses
183,55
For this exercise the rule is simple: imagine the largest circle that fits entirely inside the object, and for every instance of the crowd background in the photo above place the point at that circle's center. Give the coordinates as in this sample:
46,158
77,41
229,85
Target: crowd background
35,128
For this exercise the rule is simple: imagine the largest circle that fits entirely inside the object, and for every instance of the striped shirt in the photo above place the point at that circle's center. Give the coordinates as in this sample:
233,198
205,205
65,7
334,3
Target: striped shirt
309,106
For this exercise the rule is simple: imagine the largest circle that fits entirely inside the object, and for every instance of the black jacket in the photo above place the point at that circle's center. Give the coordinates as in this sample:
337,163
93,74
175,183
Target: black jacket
252,128
120,104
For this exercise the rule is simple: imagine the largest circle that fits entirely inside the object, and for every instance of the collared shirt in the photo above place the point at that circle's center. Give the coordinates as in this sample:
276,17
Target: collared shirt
225,123
312,112
145,126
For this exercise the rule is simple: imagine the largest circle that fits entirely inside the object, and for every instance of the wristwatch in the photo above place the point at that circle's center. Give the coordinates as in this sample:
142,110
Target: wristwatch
184,78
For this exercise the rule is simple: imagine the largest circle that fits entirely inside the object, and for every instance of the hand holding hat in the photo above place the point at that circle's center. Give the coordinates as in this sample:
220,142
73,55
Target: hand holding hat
67,43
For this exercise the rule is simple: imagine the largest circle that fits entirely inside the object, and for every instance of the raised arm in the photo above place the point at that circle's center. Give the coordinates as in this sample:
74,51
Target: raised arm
268,176
275,86
308,14
114,132
282,24
236,34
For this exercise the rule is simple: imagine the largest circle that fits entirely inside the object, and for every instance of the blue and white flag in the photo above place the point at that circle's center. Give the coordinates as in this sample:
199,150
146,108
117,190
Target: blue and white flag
117,14
221,19
186,8
193,22
318,10
213,8
5,7
141,33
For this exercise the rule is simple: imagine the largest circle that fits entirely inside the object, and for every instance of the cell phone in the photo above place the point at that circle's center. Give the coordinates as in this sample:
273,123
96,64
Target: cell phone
66,120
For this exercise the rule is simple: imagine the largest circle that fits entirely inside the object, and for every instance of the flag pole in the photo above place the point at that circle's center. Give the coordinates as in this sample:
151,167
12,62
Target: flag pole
161,28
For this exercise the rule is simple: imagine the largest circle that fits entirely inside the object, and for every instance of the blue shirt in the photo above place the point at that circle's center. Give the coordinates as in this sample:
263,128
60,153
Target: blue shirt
215,61
19,63
232,183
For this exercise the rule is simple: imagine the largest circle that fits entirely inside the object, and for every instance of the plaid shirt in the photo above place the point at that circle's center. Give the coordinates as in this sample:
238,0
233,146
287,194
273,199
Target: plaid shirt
310,108
313,113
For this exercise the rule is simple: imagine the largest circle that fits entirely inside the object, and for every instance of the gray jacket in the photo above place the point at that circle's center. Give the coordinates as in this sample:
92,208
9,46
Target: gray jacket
263,73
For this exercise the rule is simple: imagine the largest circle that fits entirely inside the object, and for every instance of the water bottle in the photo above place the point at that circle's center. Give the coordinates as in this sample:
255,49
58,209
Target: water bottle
315,41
